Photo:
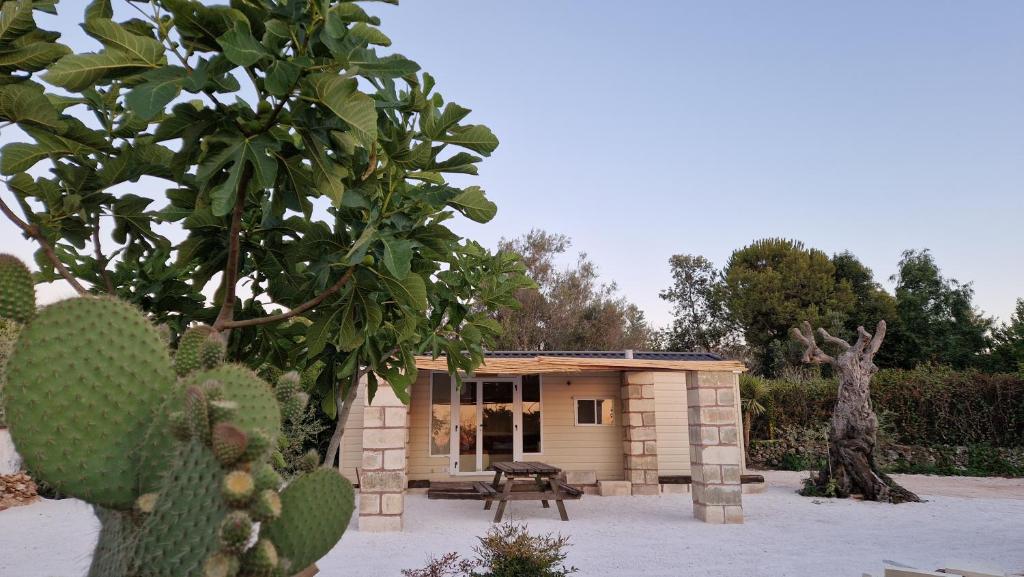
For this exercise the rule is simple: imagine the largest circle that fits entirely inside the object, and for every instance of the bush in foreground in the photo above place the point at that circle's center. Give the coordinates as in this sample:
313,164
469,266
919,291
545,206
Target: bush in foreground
507,550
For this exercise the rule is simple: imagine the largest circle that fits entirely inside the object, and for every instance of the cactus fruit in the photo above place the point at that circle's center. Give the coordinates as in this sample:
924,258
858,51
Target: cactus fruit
197,412
228,443
145,504
17,291
235,531
266,506
221,565
200,347
315,510
238,488
266,477
78,407
261,560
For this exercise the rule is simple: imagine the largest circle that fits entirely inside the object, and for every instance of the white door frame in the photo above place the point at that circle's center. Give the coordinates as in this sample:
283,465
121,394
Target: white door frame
456,412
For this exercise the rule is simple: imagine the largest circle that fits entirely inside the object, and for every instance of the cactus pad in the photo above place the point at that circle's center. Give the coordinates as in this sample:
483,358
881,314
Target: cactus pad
315,511
200,347
257,407
17,291
85,381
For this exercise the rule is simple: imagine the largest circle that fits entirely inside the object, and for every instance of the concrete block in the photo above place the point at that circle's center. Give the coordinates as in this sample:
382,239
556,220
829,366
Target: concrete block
754,488
581,477
380,523
369,503
373,417
723,495
636,476
711,473
720,455
634,419
728,435
382,481
731,474
615,488
726,397
386,397
392,503
647,391
651,476
676,489
650,447
648,419
630,392
718,416
384,438
638,406
641,433
373,459
709,436
396,416
394,459
733,515
709,513
639,378
633,447
645,489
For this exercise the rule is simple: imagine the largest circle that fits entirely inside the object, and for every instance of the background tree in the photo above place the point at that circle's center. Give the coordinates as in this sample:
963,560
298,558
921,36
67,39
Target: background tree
775,284
1008,344
938,322
701,320
301,164
853,431
570,308
871,304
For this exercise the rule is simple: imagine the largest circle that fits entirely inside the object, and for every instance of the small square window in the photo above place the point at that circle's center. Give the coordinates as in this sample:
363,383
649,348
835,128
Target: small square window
595,412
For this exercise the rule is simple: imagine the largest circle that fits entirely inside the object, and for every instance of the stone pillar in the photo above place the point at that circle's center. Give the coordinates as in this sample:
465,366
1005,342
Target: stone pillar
640,444
382,479
715,459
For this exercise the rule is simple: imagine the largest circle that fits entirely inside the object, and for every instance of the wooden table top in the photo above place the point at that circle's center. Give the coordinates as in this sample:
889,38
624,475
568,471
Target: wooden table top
525,468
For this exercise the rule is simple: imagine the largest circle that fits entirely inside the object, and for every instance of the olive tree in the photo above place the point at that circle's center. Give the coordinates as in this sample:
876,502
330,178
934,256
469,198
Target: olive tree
298,162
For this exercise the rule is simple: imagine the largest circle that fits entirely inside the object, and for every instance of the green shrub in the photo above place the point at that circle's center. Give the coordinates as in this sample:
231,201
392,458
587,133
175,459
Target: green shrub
507,550
928,406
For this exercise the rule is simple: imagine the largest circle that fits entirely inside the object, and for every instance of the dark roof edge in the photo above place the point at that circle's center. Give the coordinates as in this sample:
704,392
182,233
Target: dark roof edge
640,355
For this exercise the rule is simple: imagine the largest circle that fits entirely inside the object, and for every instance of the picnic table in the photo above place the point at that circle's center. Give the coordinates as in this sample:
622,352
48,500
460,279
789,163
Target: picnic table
526,481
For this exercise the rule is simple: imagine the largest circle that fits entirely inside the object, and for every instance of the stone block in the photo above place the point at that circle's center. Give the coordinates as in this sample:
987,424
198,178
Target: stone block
709,513
650,447
641,434
753,488
697,474
369,503
718,416
394,459
698,493
633,447
581,477
726,397
382,481
651,476
729,435
591,490
720,455
392,503
373,417
709,436
648,419
614,488
396,416
385,397
731,474
384,438
373,459
712,379
634,419
733,514
630,392
636,476
647,391
380,523
723,495
711,473
638,406
639,378
646,489
675,489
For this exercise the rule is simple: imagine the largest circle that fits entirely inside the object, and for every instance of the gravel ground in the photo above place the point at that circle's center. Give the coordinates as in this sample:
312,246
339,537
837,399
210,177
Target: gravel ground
784,534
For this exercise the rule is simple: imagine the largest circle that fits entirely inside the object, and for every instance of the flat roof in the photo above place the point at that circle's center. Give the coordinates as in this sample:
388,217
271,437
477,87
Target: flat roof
528,362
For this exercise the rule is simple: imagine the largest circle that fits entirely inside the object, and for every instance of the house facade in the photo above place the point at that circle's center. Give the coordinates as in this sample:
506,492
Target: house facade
623,419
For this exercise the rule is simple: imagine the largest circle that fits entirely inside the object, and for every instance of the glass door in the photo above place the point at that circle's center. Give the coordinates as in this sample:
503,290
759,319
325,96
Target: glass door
487,424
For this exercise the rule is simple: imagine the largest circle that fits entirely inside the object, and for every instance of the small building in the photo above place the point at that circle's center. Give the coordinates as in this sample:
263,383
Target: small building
635,418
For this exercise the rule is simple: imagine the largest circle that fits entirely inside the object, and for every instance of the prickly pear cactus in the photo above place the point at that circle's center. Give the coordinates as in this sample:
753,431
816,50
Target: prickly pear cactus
17,291
179,468
85,383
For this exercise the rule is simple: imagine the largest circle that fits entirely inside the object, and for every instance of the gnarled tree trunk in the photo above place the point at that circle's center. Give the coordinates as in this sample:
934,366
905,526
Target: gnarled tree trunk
851,467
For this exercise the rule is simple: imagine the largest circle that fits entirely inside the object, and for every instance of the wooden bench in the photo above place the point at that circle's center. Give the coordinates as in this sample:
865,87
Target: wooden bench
485,490
568,491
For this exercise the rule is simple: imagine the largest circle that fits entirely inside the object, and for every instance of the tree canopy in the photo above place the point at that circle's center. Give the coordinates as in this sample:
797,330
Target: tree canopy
701,320
569,308
297,160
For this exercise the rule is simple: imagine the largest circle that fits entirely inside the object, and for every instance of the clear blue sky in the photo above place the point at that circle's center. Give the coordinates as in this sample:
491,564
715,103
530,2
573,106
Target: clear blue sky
644,129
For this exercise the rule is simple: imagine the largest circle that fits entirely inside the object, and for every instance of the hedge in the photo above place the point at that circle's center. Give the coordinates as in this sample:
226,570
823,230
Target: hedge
927,406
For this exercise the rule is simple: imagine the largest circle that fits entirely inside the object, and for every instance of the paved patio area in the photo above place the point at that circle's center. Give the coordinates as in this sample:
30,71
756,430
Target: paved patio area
784,535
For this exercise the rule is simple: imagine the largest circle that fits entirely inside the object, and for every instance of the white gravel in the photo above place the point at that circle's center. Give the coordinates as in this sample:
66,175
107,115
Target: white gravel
784,535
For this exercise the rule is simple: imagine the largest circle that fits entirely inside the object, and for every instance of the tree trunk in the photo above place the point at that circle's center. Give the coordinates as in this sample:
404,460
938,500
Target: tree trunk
853,433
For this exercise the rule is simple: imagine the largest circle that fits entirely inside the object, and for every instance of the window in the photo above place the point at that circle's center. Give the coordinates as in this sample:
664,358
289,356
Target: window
595,412
440,414
531,414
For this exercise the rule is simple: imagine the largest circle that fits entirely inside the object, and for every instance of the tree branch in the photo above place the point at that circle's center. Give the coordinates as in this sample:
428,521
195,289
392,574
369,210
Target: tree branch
876,341
32,231
232,324
227,308
101,261
813,354
843,345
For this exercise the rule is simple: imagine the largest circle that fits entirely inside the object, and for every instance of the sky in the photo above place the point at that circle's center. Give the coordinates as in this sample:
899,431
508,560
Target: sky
652,128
